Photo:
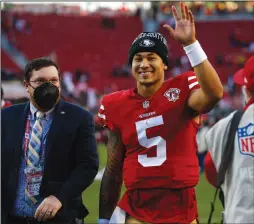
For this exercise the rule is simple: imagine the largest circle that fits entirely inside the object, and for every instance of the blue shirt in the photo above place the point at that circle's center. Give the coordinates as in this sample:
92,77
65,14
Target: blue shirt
21,207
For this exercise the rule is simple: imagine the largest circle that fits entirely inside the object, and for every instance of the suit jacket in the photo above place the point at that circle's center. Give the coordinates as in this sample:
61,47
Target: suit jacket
71,159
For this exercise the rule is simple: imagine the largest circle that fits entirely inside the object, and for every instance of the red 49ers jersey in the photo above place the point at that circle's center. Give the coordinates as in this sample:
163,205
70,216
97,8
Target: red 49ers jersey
159,134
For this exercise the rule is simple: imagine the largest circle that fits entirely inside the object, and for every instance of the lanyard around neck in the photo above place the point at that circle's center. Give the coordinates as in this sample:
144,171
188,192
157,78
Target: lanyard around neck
27,136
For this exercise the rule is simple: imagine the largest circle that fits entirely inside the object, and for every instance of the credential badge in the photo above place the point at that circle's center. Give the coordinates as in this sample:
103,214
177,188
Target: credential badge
172,94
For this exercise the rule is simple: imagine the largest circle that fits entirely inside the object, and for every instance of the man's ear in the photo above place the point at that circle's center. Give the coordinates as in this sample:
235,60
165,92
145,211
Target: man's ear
165,67
25,83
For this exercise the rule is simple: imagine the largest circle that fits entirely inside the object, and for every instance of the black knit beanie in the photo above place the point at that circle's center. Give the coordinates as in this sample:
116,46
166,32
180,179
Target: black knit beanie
149,42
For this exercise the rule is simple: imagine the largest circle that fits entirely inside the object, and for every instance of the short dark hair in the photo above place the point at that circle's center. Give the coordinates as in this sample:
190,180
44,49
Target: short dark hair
36,64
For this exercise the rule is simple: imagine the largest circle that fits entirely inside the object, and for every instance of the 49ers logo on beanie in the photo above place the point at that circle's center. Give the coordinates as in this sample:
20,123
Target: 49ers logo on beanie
146,43
149,42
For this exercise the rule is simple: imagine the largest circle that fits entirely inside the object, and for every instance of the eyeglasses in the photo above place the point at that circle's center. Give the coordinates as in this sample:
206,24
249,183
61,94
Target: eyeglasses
42,81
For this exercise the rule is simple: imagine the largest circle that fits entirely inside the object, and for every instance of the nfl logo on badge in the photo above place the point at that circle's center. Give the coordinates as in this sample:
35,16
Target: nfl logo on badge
246,139
145,104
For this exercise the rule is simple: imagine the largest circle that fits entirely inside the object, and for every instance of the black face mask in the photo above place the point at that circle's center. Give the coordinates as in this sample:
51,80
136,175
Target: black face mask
46,95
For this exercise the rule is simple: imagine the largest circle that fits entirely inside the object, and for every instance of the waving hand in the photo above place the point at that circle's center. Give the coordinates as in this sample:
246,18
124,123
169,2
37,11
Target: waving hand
184,31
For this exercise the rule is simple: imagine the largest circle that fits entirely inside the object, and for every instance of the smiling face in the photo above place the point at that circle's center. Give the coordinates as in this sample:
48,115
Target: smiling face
148,68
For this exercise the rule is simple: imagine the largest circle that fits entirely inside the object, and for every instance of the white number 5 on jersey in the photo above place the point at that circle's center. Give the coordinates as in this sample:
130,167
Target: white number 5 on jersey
158,141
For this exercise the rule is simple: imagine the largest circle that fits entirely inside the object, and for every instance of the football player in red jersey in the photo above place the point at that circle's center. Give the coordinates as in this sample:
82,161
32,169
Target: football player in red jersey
152,131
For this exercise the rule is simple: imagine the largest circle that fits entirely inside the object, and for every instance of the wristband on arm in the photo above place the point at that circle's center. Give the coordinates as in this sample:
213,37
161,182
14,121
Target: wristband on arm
195,53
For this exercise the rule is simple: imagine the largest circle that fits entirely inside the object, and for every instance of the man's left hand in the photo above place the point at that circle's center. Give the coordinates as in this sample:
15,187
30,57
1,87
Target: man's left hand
48,208
184,31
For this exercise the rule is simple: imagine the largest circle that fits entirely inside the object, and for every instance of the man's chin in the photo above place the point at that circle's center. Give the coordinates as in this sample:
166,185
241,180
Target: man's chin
147,82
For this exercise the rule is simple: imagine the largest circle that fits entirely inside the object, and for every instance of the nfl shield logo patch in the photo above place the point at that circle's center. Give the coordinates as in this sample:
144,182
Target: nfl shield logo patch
246,139
172,94
146,104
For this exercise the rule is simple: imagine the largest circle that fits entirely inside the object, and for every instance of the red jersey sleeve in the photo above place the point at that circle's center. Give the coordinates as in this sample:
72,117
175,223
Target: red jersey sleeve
192,81
104,114
210,170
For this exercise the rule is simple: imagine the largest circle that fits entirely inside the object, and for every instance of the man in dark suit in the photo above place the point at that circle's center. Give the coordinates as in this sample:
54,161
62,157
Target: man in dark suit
49,154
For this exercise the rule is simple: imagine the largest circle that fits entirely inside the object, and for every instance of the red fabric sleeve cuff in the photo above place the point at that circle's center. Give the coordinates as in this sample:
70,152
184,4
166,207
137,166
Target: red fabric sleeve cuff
210,169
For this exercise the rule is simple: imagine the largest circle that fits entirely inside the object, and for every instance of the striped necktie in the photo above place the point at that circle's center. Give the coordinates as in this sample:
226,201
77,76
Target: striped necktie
33,151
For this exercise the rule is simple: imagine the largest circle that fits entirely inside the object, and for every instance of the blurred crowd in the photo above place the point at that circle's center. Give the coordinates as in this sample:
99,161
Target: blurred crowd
161,11
158,8
12,24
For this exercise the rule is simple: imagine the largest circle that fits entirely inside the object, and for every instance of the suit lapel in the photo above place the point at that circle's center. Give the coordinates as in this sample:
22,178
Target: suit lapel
55,126
20,125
